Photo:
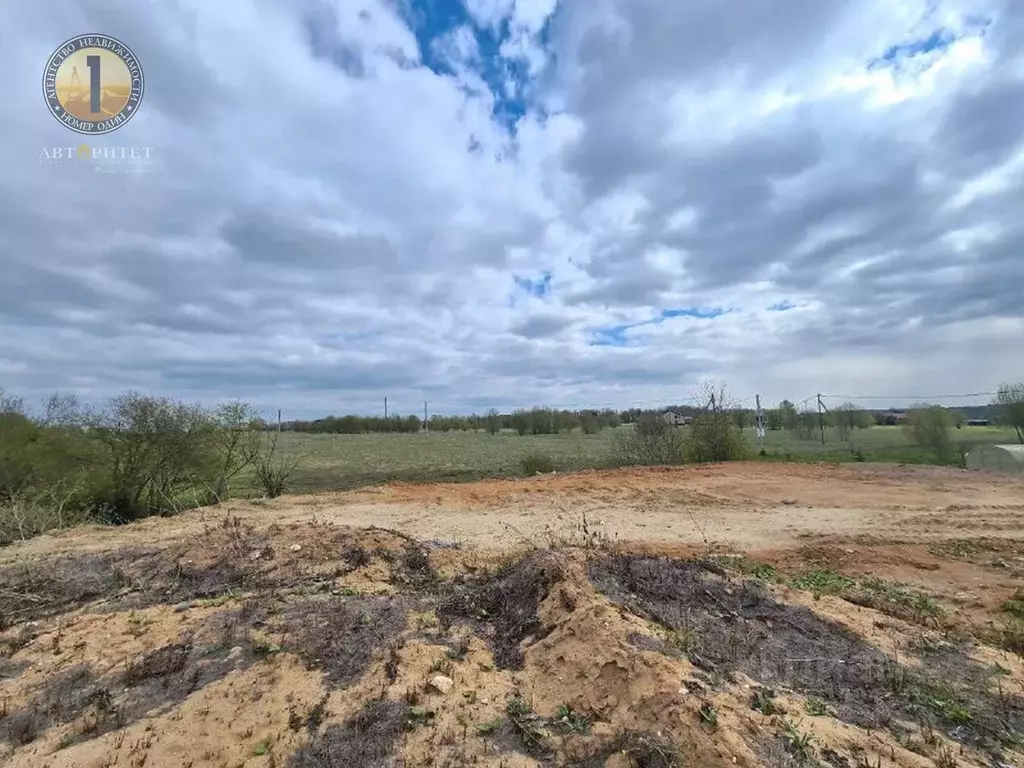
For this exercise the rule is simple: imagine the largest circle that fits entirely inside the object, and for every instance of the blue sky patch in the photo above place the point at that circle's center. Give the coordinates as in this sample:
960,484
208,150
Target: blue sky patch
431,20
614,336
703,313
939,40
781,306
539,288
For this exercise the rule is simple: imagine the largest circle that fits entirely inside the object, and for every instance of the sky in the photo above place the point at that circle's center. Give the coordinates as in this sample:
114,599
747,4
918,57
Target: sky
502,203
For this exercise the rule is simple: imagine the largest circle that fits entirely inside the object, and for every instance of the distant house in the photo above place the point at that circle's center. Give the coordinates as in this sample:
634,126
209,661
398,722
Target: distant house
892,419
977,422
676,419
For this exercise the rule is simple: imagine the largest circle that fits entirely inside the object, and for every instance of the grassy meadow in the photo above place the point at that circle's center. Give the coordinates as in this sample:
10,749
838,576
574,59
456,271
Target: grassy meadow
338,462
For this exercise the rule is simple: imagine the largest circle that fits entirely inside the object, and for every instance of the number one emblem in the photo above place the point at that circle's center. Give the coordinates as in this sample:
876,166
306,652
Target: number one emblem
95,90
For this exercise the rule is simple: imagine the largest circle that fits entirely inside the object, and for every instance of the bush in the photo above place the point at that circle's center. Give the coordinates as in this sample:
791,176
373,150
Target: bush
536,463
714,436
157,449
138,456
272,470
651,442
931,427
1010,407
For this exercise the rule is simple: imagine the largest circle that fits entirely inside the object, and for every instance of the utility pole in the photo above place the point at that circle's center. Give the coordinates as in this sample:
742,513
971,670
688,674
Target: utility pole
424,415
760,423
278,419
385,408
821,419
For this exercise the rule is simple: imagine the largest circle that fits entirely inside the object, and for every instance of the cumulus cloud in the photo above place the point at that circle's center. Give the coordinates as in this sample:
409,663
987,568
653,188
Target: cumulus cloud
503,202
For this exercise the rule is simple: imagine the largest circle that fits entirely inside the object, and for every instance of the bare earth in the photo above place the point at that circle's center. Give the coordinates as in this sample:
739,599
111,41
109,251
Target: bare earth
746,506
599,619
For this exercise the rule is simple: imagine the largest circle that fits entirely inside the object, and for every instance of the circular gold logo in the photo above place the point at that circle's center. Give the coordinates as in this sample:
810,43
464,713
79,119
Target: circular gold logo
93,84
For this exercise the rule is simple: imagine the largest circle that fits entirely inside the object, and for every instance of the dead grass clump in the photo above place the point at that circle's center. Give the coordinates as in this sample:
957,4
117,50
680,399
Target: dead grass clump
37,589
10,668
646,750
158,663
339,635
410,565
152,681
229,558
369,738
60,700
739,627
508,602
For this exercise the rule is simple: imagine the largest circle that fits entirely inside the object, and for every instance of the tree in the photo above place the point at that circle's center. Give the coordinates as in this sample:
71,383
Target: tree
493,421
788,415
845,419
156,449
236,442
1010,407
713,435
652,441
930,426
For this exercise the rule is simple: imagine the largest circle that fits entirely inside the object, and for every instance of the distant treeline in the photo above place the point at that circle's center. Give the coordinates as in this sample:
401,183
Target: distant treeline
547,421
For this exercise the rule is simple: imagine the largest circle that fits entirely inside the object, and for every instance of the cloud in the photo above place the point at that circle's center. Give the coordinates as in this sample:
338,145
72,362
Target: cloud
507,202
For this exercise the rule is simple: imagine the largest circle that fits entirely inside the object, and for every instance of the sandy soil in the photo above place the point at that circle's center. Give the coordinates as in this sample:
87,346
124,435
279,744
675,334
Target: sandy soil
746,506
285,633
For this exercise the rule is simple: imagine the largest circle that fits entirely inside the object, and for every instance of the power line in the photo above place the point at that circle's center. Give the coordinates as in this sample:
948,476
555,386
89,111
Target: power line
909,397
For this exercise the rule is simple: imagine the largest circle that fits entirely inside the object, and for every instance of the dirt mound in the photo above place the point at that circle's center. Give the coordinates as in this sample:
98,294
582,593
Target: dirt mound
312,646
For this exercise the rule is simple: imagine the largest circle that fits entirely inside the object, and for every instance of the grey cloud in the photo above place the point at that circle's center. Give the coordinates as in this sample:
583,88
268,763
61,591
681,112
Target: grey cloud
541,326
346,246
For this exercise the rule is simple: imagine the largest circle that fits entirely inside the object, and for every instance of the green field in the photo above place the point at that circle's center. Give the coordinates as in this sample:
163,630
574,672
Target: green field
887,444
337,462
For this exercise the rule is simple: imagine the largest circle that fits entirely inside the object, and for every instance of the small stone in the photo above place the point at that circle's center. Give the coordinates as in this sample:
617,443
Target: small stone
235,652
181,607
441,684
254,556
295,547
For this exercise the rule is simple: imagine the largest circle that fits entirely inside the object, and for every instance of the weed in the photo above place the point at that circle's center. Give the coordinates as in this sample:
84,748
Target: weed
490,726
442,665
1011,636
896,678
536,463
822,583
682,640
709,715
897,600
261,749
1015,605
137,624
420,715
943,700
518,707
815,708
799,743
763,703
573,720
262,645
